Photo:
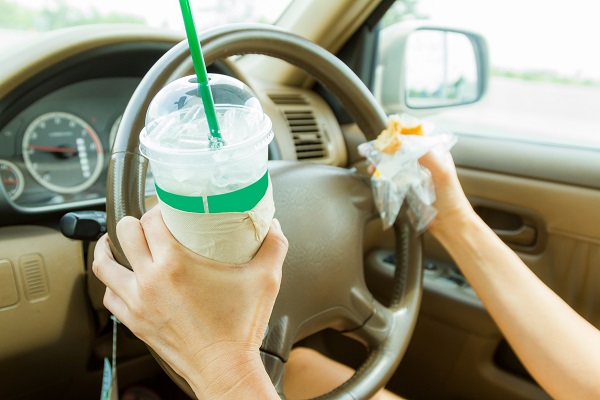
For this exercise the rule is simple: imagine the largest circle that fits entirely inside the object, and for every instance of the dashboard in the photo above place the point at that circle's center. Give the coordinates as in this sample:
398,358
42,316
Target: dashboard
58,124
56,151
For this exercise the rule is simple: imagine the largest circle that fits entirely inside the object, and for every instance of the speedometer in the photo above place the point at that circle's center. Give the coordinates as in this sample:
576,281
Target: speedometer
62,152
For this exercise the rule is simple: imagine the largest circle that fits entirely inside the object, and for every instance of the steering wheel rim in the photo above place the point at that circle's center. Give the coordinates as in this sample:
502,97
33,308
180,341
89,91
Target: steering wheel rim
385,329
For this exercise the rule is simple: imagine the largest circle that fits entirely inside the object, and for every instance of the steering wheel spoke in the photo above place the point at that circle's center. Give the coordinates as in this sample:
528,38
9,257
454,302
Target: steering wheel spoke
275,368
376,328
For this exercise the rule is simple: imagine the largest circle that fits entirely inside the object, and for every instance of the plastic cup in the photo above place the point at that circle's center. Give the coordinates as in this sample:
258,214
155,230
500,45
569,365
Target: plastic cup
215,196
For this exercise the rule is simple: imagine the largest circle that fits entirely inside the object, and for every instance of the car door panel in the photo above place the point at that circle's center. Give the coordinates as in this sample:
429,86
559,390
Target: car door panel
552,162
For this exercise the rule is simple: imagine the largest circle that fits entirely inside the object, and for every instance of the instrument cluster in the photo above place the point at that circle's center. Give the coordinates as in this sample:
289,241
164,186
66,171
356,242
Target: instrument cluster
56,150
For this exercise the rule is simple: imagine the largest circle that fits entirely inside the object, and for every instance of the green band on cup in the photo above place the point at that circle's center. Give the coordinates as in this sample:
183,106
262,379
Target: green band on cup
239,201
183,203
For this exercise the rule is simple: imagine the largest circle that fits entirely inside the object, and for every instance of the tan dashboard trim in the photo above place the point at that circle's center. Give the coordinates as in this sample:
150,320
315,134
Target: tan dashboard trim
54,47
48,331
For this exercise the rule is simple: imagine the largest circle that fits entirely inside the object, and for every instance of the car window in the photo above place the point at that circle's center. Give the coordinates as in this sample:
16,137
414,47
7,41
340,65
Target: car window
545,69
24,18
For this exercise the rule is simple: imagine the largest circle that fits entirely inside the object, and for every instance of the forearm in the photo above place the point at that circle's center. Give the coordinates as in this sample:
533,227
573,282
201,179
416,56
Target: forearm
558,347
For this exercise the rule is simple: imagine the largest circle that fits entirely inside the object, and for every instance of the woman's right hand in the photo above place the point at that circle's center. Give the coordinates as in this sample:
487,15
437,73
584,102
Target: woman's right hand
205,318
452,204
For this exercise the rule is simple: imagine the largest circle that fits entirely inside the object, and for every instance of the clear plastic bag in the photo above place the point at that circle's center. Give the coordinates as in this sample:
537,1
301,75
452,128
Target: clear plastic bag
399,177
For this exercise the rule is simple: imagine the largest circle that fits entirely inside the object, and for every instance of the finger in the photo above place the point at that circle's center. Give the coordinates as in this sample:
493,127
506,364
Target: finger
436,163
429,161
102,245
441,166
436,159
111,273
274,248
133,242
115,305
268,262
158,236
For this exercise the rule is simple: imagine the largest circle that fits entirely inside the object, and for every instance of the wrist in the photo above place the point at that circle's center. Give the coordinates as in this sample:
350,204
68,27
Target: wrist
447,228
242,376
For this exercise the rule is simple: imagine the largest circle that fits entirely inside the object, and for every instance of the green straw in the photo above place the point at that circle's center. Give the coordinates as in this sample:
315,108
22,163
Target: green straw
200,68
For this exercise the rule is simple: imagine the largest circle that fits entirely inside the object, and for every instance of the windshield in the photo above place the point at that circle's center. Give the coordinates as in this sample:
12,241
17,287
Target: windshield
20,19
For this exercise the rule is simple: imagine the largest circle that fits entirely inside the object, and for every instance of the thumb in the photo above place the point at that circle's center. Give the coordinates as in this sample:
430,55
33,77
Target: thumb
274,248
441,166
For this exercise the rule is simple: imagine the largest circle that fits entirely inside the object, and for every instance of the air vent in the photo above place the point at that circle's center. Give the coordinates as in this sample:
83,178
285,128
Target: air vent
34,277
307,135
288,99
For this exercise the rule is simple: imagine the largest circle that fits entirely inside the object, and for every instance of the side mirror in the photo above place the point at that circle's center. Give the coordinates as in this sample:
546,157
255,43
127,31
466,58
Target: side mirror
424,68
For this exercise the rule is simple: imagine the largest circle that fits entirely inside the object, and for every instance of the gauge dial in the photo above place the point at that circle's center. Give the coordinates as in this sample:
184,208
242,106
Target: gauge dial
12,179
62,152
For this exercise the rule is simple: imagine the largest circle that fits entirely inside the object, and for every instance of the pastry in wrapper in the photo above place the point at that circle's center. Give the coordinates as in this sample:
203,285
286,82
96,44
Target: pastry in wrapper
412,130
398,177
389,140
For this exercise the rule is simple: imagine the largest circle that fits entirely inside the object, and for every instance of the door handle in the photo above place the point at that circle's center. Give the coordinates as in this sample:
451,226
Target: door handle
525,235
524,230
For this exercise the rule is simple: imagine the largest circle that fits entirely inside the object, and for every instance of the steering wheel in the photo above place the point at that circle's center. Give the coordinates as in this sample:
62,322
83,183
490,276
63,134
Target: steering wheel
323,283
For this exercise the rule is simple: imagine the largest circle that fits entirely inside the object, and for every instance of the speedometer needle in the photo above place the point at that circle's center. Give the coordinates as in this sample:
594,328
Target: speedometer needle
9,181
52,149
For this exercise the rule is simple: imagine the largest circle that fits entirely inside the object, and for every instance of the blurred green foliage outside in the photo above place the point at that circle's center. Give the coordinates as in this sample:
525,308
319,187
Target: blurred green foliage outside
58,15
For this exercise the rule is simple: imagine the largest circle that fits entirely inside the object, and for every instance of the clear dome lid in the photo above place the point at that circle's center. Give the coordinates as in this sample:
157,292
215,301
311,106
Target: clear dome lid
176,122
182,94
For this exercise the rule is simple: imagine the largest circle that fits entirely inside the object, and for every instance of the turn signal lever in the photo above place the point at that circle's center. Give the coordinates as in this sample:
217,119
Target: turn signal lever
83,225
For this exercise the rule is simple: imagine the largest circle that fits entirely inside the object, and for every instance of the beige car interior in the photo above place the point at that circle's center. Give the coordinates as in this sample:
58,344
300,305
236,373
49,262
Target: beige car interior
541,199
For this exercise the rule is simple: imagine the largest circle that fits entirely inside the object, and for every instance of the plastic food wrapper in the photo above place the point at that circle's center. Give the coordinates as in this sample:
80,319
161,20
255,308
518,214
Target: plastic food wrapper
398,176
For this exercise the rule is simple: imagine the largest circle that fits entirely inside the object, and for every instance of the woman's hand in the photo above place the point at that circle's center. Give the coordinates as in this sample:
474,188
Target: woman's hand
451,203
204,318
